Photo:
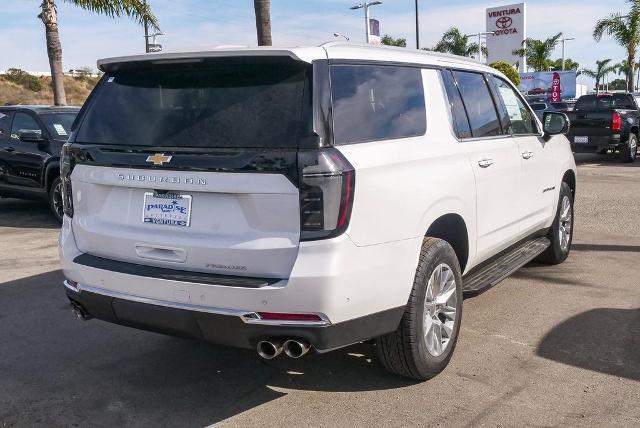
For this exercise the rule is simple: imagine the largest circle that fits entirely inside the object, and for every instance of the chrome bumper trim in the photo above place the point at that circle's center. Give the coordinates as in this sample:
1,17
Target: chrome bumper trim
246,316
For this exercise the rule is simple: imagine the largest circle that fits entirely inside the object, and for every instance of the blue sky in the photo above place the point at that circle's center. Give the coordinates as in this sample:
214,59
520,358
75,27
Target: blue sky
87,37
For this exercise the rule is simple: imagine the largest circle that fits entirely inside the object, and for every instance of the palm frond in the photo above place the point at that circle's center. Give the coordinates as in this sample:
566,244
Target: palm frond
138,10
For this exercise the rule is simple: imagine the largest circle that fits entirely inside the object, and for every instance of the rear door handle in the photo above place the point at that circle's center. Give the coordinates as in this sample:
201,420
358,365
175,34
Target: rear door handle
527,155
485,163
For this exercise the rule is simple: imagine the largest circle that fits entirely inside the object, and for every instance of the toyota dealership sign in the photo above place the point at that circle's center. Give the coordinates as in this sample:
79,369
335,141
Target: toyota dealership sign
508,25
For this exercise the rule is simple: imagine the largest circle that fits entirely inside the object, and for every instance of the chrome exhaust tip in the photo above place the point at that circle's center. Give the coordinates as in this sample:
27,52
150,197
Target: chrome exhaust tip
295,348
269,350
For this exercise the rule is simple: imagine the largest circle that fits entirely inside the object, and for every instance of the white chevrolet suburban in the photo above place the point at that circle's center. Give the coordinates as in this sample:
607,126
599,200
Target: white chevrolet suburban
308,198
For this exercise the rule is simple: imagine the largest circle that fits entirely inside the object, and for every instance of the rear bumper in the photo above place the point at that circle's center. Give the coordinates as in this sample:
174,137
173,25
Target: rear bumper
359,293
597,144
228,328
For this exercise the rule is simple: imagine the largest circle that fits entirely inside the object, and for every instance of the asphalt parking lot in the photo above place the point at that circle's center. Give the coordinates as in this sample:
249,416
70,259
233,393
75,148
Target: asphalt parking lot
549,346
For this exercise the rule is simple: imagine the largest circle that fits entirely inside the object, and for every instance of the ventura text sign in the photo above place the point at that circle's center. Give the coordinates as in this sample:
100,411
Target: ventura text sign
508,27
553,85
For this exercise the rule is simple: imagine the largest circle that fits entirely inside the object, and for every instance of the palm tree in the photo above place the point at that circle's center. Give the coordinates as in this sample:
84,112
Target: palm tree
625,30
538,52
263,21
391,41
603,68
623,69
136,9
569,64
454,42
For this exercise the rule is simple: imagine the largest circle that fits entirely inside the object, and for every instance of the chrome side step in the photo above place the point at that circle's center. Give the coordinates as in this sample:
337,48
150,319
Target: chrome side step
479,281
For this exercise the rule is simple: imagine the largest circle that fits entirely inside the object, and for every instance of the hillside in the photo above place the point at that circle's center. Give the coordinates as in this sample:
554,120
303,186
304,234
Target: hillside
77,89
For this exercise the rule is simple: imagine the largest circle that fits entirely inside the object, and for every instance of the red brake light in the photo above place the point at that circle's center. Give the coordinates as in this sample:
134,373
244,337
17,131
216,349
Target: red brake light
616,121
274,316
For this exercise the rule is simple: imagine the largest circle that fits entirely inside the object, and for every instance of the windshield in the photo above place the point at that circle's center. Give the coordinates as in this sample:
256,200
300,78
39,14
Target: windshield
58,124
254,104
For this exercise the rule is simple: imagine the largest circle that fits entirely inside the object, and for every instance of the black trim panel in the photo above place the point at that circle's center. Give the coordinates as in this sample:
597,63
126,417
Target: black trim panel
231,330
173,274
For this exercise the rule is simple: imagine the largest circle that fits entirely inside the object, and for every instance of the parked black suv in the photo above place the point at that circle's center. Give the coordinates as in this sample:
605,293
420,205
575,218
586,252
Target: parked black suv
31,138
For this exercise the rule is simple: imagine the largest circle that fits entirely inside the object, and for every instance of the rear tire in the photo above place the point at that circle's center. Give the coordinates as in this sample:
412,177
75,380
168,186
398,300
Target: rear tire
423,344
55,199
561,231
629,151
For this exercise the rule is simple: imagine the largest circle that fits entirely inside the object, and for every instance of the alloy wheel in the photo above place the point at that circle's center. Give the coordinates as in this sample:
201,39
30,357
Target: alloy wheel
440,309
565,224
56,199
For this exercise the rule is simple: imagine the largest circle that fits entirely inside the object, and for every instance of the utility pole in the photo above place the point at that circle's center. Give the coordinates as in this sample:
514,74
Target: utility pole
562,40
146,29
365,6
417,28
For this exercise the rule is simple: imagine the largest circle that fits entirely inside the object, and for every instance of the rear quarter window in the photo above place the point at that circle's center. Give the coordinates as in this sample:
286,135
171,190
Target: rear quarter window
376,102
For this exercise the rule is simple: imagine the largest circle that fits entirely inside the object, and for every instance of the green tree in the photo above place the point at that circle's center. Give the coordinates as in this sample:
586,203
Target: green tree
618,85
623,70
390,41
538,52
135,9
456,43
625,30
569,64
603,68
263,21
508,70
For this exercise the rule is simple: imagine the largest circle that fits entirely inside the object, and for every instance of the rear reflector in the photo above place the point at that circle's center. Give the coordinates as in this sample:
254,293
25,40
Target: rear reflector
274,316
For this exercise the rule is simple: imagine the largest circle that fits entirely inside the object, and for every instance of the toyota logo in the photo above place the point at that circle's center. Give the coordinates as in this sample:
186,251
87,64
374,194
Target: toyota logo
504,22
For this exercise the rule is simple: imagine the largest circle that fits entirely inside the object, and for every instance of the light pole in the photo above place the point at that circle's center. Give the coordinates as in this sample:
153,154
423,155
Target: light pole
484,33
341,35
562,40
417,28
365,6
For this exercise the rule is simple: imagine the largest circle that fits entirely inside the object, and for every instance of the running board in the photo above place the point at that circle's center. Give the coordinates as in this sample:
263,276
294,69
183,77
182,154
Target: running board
486,277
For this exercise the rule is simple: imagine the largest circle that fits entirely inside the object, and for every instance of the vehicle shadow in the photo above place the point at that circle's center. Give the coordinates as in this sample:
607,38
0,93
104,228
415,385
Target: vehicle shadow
25,213
611,159
58,370
606,248
604,340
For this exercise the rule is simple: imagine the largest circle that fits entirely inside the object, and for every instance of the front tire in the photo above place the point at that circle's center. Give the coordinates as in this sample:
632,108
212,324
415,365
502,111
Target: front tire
423,344
561,231
55,199
629,151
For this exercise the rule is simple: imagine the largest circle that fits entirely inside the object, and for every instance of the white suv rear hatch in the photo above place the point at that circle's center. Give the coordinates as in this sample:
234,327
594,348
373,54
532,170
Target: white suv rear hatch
181,166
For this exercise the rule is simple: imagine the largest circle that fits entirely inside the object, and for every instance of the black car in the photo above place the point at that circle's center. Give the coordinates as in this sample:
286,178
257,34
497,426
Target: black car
605,123
31,138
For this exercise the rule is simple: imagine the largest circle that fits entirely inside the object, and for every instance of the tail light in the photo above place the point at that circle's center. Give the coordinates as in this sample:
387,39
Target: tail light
616,121
327,184
66,167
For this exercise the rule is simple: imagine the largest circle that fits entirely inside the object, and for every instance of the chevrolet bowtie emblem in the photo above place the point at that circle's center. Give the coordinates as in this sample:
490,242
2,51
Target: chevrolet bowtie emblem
159,158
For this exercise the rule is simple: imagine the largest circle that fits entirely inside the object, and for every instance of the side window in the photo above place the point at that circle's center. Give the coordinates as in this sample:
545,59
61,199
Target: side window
376,102
459,115
520,119
23,122
478,102
5,123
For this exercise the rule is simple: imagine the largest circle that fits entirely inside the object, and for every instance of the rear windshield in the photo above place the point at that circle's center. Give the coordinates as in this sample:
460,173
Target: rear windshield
604,102
538,106
560,106
225,105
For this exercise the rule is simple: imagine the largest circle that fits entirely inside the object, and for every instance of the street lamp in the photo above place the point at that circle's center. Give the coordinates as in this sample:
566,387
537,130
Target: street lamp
562,40
341,35
484,33
366,6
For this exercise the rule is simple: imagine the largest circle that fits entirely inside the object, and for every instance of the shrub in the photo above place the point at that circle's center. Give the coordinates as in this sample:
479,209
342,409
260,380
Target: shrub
23,79
508,70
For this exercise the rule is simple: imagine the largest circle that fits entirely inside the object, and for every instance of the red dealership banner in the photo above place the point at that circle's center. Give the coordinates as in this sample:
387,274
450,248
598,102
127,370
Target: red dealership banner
555,88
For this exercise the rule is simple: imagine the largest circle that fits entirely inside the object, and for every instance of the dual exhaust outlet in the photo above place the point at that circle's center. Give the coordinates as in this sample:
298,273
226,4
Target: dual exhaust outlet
293,348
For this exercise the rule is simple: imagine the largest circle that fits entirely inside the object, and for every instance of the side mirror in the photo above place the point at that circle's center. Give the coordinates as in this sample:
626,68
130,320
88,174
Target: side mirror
30,135
554,123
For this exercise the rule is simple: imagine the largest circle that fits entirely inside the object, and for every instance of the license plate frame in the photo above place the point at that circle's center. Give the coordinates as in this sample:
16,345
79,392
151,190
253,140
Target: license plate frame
167,209
581,139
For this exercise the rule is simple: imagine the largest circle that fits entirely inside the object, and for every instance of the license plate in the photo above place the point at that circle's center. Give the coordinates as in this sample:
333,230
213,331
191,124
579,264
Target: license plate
167,208
580,139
